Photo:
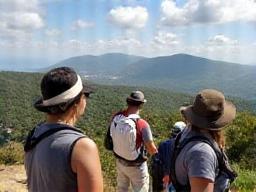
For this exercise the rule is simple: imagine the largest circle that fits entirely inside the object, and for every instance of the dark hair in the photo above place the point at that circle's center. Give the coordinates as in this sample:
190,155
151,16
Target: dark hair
55,82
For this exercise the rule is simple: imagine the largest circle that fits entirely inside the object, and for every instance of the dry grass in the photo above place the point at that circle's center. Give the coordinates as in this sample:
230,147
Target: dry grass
12,178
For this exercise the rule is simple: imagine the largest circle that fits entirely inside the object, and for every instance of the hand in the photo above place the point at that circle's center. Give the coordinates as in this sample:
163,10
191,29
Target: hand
166,180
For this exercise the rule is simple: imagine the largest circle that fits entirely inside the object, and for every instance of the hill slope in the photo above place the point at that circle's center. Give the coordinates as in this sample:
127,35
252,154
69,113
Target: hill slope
107,65
189,74
180,73
18,90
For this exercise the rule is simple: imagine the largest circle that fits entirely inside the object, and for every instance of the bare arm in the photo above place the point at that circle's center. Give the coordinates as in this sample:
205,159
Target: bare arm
151,147
85,163
201,184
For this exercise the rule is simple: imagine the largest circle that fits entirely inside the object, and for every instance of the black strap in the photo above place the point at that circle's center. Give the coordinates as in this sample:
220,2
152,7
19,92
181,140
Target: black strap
220,154
108,142
31,141
178,187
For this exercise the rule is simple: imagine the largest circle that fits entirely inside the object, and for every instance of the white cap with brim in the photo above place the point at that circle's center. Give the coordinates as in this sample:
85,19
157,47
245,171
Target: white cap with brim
64,97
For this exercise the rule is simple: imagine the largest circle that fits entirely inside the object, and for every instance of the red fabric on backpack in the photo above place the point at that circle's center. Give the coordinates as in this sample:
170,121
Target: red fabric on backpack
140,124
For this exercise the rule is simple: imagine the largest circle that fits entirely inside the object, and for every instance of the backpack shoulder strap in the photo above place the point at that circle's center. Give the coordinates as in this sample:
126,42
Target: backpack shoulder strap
32,142
176,150
220,154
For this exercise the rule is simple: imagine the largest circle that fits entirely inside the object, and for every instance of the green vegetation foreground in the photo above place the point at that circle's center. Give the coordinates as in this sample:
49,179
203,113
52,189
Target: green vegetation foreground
17,117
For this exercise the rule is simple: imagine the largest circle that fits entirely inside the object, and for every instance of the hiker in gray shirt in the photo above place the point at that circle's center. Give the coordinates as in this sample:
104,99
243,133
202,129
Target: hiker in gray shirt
197,167
58,156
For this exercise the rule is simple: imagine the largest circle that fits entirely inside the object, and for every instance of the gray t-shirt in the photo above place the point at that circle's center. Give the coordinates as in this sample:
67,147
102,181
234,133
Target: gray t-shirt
197,159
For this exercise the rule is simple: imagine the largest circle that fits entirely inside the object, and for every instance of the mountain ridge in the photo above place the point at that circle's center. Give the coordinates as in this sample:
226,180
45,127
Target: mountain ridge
179,72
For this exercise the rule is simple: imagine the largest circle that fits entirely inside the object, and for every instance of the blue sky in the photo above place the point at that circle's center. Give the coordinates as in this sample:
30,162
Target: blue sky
52,30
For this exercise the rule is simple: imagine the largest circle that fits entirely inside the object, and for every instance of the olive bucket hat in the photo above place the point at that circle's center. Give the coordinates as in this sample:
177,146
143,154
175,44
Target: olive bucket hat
210,110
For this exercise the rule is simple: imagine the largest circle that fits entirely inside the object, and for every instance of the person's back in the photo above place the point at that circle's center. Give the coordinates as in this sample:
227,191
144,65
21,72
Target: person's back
130,134
49,168
161,164
199,163
196,151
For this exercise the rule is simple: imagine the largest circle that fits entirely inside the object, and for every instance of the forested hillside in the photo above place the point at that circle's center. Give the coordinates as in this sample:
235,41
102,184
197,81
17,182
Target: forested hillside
17,117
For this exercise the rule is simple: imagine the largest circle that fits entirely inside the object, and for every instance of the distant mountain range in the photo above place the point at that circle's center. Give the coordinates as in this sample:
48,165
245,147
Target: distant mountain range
180,72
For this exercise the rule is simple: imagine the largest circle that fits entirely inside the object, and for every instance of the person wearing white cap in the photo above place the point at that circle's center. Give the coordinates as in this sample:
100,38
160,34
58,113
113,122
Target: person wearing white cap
162,180
58,156
177,128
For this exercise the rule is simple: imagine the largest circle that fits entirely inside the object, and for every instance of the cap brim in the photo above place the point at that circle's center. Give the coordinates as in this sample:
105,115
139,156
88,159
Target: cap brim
227,117
87,90
40,106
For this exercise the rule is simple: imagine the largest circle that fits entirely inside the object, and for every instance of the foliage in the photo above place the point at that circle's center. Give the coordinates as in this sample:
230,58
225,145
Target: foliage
19,90
246,180
241,140
11,153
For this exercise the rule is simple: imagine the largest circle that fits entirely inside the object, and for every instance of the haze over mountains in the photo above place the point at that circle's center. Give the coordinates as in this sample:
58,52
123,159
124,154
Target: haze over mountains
180,72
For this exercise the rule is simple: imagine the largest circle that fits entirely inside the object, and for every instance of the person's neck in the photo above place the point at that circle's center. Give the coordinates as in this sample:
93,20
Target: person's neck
133,110
59,119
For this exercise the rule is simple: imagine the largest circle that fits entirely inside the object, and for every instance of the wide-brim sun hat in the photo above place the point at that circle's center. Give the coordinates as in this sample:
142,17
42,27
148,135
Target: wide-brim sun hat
210,110
137,96
65,96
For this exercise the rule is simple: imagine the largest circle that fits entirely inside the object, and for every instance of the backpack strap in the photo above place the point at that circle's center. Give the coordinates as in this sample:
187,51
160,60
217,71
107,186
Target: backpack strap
31,141
220,154
108,142
177,149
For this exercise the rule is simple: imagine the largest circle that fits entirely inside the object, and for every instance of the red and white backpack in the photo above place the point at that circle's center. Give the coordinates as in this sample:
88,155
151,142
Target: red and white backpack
123,131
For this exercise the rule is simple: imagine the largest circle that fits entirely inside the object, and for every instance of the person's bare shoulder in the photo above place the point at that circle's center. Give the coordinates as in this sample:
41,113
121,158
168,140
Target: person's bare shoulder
85,162
85,144
85,149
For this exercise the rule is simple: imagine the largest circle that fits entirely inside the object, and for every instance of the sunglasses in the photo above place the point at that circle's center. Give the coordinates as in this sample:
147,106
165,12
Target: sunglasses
87,95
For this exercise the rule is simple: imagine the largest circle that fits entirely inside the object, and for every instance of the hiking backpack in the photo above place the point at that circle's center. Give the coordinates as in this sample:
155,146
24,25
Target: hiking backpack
224,167
123,131
160,164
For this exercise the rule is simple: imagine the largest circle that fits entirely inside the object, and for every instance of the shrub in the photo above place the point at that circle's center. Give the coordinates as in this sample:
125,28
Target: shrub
246,180
241,140
11,153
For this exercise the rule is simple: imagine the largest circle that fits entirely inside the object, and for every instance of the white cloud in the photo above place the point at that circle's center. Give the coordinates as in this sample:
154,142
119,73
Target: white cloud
165,38
19,5
207,11
172,14
23,21
129,17
225,49
18,18
81,24
120,43
221,40
53,32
